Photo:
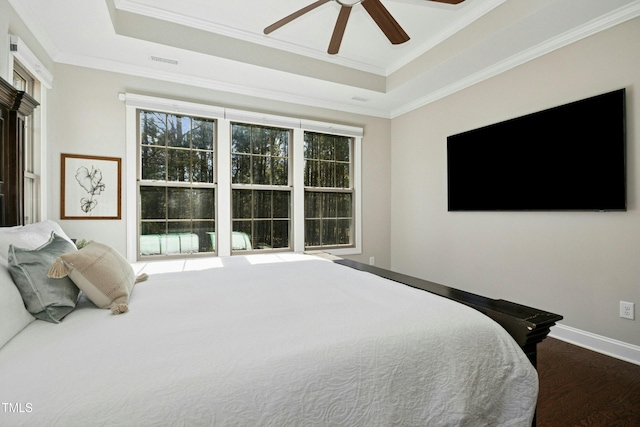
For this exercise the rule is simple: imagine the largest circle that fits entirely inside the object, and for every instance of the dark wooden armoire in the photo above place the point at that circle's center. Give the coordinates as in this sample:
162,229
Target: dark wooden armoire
15,107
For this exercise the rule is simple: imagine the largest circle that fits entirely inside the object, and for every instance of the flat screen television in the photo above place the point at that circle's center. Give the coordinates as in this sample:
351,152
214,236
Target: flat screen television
568,158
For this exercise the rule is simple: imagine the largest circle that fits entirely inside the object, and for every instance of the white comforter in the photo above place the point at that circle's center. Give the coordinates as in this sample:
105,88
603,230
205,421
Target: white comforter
297,342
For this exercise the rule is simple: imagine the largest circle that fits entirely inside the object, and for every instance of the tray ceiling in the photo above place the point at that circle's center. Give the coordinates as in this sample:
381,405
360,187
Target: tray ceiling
221,45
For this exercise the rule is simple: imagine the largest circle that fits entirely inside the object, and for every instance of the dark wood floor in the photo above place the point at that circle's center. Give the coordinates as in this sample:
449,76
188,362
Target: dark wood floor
579,387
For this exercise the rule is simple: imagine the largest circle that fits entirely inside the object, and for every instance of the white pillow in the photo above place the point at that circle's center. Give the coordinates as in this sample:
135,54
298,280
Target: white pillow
14,317
30,236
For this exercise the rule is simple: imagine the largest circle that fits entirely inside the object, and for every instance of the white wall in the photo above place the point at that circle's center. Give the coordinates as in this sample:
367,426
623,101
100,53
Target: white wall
579,265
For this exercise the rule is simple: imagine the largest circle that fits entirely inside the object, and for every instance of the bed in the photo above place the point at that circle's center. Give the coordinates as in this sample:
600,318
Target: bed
262,340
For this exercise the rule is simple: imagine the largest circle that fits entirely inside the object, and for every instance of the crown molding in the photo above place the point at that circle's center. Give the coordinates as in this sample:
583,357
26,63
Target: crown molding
461,23
604,22
390,109
200,82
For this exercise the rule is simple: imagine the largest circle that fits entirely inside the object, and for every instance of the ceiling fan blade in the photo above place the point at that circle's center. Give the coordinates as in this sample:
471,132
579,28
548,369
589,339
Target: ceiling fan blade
448,1
338,31
385,21
293,16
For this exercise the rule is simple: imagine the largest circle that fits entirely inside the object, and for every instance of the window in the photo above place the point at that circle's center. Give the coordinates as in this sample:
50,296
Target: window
30,75
211,180
261,191
177,188
23,81
328,200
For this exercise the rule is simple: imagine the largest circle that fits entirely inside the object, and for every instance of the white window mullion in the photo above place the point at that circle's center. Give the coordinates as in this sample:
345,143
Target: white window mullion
357,215
298,190
40,155
223,159
357,185
131,166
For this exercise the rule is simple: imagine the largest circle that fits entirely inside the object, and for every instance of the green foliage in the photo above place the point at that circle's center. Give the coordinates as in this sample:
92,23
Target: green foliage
81,243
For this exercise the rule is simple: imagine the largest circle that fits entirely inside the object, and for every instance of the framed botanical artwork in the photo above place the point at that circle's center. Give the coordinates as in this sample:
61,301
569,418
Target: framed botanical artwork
91,187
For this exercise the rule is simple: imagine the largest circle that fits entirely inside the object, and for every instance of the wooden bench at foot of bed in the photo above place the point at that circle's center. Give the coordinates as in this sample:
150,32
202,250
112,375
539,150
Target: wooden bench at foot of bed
528,326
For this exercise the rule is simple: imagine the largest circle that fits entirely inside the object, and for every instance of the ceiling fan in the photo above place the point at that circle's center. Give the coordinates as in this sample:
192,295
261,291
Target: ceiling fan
376,10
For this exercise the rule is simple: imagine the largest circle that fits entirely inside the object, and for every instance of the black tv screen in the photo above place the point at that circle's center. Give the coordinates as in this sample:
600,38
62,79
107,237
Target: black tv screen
570,157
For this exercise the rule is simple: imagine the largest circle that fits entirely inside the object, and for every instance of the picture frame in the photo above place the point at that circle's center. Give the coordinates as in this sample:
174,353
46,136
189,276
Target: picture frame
91,187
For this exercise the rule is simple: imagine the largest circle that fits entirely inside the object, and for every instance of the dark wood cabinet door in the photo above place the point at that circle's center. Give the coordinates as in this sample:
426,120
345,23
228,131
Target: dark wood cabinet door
15,106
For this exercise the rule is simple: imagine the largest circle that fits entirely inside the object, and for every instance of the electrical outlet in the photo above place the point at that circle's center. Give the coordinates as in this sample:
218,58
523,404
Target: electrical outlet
372,260
627,310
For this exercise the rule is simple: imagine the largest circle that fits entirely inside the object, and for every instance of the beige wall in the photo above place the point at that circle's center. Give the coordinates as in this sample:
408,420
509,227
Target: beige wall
86,117
579,264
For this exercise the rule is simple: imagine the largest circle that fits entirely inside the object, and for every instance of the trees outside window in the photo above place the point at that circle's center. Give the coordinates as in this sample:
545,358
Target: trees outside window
261,190
328,200
215,181
177,187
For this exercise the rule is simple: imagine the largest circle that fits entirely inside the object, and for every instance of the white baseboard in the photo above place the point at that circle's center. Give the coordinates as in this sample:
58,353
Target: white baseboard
614,348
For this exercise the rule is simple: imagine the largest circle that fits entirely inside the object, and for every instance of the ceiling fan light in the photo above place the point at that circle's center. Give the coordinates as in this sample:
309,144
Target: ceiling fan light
348,3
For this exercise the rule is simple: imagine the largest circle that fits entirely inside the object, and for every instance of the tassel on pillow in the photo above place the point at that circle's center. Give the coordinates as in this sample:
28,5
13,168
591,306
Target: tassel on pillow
122,307
119,308
58,270
141,278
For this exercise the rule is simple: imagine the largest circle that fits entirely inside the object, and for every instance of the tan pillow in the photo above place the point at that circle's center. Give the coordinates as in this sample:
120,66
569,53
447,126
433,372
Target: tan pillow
105,276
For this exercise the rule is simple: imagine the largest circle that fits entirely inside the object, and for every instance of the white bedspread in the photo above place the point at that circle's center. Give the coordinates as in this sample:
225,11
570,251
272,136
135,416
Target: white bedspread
298,342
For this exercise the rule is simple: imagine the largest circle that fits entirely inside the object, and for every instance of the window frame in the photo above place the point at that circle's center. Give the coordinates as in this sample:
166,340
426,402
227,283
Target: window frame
169,185
23,60
335,190
288,187
30,178
183,110
224,118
